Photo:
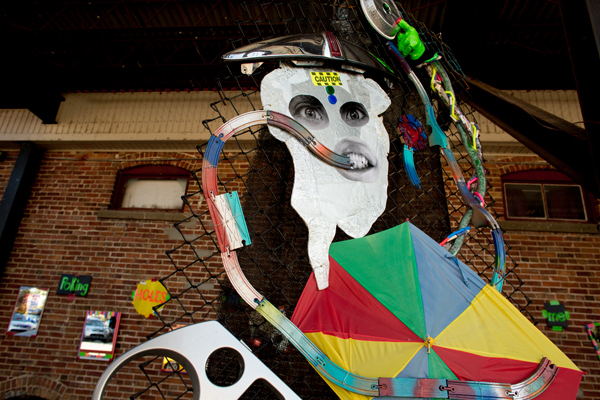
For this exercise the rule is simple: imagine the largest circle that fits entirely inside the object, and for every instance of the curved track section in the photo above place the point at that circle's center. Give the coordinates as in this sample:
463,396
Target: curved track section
375,387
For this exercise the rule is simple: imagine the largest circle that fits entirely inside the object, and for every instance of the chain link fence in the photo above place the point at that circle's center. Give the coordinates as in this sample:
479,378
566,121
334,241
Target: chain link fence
260,169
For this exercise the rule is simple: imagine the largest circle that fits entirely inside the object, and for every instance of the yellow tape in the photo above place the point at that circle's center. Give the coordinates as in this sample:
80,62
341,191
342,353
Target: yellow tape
433,78
326,79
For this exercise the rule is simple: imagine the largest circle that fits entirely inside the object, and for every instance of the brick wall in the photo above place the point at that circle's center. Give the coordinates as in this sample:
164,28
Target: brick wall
556,266
62,233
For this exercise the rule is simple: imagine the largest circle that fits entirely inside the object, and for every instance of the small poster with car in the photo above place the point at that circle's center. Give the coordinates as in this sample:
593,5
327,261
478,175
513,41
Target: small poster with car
28,310
99,335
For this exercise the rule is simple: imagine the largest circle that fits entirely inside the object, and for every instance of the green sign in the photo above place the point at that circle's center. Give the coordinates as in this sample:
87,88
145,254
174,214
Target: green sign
556,315
74,284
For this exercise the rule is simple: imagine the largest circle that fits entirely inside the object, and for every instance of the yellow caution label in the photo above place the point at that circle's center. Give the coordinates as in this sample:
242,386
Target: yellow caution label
326,79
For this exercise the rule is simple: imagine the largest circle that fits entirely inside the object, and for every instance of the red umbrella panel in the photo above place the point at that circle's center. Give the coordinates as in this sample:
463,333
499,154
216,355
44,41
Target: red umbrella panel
399,305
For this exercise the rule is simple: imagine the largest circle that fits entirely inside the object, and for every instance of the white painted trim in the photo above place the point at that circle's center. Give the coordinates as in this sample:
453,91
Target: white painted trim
109,120
173,121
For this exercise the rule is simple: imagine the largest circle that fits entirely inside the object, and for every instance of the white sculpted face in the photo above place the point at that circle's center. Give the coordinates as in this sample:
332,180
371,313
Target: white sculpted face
347,122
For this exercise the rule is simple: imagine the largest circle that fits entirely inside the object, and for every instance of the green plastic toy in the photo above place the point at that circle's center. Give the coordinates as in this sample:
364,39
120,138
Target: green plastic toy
409,42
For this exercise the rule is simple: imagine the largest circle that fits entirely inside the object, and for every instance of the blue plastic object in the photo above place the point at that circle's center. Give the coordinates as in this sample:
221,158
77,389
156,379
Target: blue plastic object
500,267
213,150
437,137
409,167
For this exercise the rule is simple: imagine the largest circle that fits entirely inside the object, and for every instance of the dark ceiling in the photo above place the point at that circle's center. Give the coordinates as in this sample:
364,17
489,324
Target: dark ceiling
52,47
510,44
64,45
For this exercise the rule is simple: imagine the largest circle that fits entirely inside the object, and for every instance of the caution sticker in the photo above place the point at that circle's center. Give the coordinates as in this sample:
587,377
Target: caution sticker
326,79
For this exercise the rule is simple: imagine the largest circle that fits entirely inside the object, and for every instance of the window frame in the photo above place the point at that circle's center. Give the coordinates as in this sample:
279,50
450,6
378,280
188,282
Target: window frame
552,178
158,172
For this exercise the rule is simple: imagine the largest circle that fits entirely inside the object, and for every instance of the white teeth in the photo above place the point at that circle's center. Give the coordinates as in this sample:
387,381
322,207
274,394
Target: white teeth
359,161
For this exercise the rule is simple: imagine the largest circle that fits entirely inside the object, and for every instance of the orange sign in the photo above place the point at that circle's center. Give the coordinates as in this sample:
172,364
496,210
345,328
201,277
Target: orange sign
148,295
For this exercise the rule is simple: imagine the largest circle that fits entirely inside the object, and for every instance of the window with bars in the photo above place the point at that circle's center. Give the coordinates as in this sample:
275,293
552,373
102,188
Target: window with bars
545,196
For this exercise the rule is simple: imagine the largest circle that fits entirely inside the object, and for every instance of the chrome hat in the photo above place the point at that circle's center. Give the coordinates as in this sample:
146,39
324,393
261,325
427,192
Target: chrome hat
308,50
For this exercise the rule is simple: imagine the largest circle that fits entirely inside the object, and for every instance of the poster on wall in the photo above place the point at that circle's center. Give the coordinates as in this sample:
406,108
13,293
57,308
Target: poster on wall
594,332
74,284
99,335
149,294
557,317
28,310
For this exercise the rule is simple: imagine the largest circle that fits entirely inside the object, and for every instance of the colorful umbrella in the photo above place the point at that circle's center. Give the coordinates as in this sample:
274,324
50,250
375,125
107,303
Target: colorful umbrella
399,305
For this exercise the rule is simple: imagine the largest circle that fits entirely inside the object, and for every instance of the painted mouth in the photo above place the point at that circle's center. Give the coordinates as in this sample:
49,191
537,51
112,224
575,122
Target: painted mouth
366,168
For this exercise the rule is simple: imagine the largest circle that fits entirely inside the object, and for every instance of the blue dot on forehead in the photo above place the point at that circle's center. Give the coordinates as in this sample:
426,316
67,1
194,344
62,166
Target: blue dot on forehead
332,99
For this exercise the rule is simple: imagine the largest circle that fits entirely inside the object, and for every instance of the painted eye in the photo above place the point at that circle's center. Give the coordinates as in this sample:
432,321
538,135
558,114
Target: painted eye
354,114
309,111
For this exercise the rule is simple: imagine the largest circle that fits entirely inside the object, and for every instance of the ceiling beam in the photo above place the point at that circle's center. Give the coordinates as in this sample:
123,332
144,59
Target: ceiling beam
561,143
490,45
43,104
16,196
581,22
